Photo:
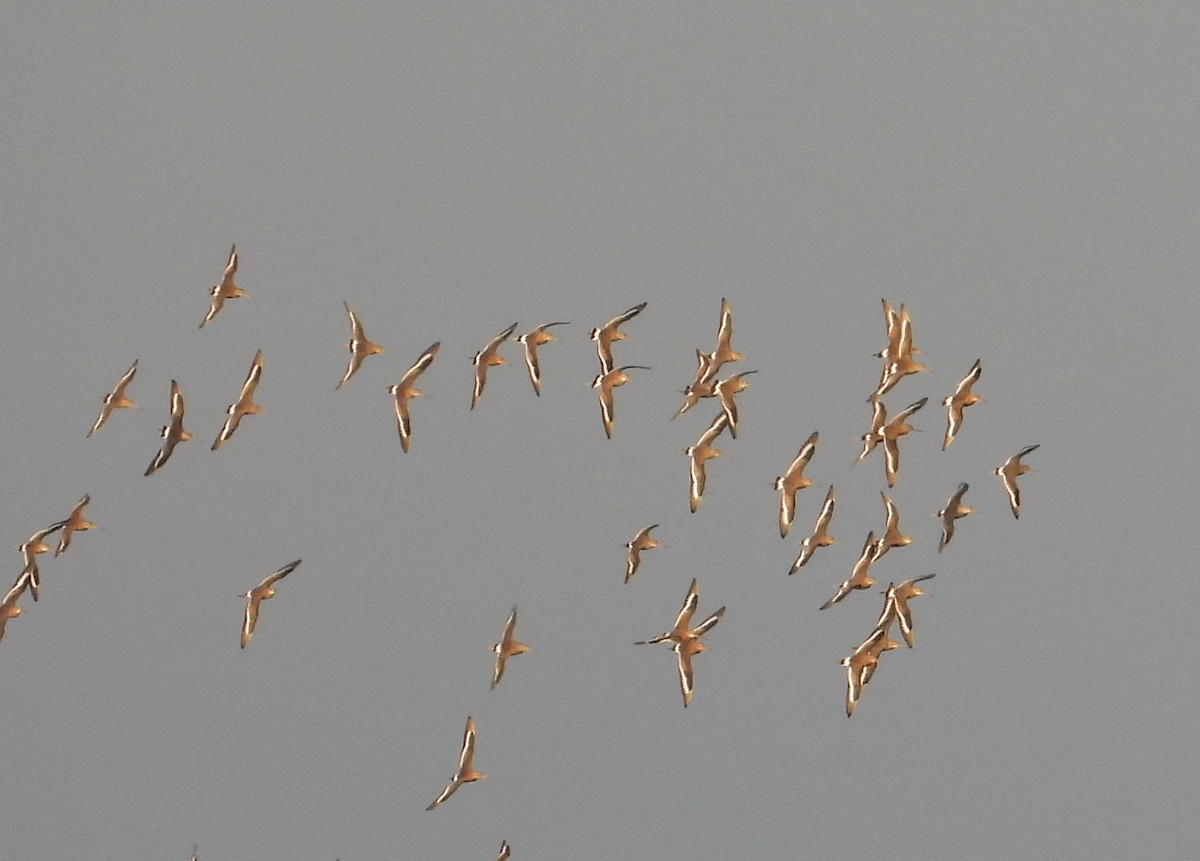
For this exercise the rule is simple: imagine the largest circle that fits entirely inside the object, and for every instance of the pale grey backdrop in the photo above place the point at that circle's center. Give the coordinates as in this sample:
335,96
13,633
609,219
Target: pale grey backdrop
1023,178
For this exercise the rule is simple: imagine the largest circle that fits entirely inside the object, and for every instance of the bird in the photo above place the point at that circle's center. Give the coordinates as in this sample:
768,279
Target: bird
260,593
244,405
641,541
1008,474
724,352
820,536
531,341
506,648
486,358
76,522
703,386
860,665
609,332
29,550
793,480
686,638
226,289
892,320
465,773
859,579
682,629
891,433
900,362
116,399
606,382
892,536
406,389
359,346
954,509
725,390
896,606
698,454
962,398
872,437
505,851
8,607
173,433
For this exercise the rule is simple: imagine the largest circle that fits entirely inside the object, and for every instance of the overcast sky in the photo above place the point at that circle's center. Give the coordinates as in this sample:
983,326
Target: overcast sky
1023,178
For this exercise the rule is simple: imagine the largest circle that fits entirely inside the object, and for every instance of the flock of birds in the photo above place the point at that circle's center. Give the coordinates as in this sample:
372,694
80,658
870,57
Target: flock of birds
898,361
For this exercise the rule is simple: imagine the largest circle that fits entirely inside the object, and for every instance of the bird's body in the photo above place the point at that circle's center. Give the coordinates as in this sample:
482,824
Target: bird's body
606,382
244,405
892,536
1009,472
860,665
633,556
698,455
890,437
820,536
954,509
686,639
466,772
725,390
609,332
260,593
724,351
360,347
506,648
226,289
116,399
8,607
406,390
896,606
962,398
898,360
486,358
859,578
29,550
531,341
172,433
76,522
792,481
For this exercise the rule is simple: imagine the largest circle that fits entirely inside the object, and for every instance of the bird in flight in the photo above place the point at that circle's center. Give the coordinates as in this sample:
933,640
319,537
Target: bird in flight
606,382
506,648
609,332
116,399
791,481
244,405
1008,475
698,454
954,509
76,522
466,773
359,346
8,607
531,341
962,398
226,289
859,578
172,433
820,536
486,358
895,606
633,556
260,593
687,639
406,389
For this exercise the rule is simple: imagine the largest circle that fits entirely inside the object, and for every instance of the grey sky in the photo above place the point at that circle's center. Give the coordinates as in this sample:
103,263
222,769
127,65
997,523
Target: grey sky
1023,178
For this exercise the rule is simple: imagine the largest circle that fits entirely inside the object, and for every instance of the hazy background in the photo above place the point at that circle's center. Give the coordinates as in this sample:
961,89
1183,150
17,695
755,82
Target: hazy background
1023,178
